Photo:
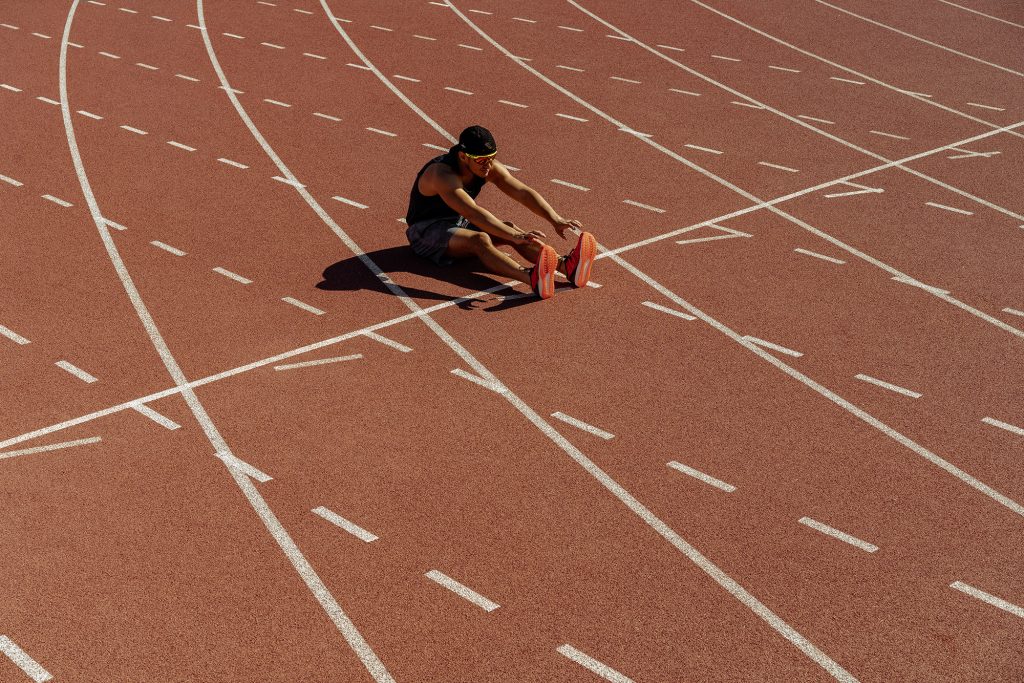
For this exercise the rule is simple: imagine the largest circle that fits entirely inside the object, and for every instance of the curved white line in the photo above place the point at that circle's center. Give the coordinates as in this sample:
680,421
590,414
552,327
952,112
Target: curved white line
266,515
987,16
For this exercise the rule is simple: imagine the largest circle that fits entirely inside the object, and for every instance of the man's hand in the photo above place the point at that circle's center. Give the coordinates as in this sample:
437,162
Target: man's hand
532,236
561,225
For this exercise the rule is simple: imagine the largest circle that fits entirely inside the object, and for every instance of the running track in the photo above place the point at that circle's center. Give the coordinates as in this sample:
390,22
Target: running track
781,439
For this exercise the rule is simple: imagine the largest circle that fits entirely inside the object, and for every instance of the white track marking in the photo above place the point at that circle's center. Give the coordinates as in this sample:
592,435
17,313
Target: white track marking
514,104
339,521
781,168
313,55
888,135
76,371
147,66
303,11
230,162
110,55
728,59
161,420
129,11
527,21
966,153
234,276
985,106
29,666
11,181
351,202
383,132
181,146
46,37
245,468
572,185
572,118
1019,431
457,90
168,248
671,47
47,100
112,224
847,80
614,37
783,68
423,37
462,591
643,206
704,149
862,189
836,533
571,28
303,306
747,104
1013,311
949,208
773,347
382,28
57,200
6,86
293,183
815,119
277,102
439,148
50,447
730,233
592,665
471,47
187,78
90,115
10,26
406,78
569,68
819,256
481,11
137,131
907,280
13,336
886,385
580,424
387,342
234,35
326,116
162,18
486,384
624,80
987,16
685,92
666,309
272,45
706,478
988,598
322,361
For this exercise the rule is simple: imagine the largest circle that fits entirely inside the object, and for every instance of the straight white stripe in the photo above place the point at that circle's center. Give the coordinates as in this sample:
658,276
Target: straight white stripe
245,468
462,590
847,80
90,115
234,276
816,120
13,336
168,248
13,28
161,420
187,78
161,18
471,47
383,132
580,424
570,68
326,116
303,11
568,184
137,131
441,149
1013,311
76,371
624,80
50,447
821,256
382,28
746,104
572,118
5,86
406,78
728,59
889,135
886,385
528,21
313,55
781,168
481,11
47,100
11,181
988,598
706,478
773,347
115,226
147,66
304,306
275,102
1019,431
272,45
685,92
704,149
907,280
339,521
671,47
461,92
111,56
129,11
513,104
323,361
782,68
387,342
985,106
987,16
459,372
293,183
181,146
670,311
350,202
230,162
28,665
643,206
43,35
593,665
571,28
423,37
836,533
234,35
949,208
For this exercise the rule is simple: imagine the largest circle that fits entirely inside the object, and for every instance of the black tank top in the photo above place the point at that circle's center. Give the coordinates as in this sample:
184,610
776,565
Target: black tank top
423,208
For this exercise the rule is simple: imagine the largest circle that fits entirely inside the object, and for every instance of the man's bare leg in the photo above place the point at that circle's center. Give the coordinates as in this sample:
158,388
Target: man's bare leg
466,242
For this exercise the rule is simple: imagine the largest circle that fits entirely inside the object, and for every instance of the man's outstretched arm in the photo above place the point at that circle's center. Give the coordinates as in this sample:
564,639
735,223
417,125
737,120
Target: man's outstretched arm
531,199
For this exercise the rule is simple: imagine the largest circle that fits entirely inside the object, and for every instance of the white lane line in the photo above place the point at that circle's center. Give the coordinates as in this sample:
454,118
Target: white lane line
322,361
48,100
988,598
129,11
57,200
907,280
13,336
987,16
593,665
514,104
326,116
670,311
475,379
706,478
616,37
277,102
773,347
579,424
161,18
569,68
471,47
264,2
781,168
245,468
76,371
704,149
363,67
234,35
382,28
387,342
571,28
187,78
836,533
339,521
461,92
966,153
815,254
886,385
847,80
861,189
11,181
137,131
439,148
304,306
1004,425
162,420
574,186
671,47
888,135
728,59
6,86
816,120
90,115
29,666
624,80
110,55
643,206
10,26
303,11
293,183
352,203
746,104
168,248
313,55
950,208
783,68
234,276
572,118
147,66
985,106
230,162
423,37
480,11
383,132
636,133
43,35
406,78
685,92
51,447
526,21
462,590
181,146
272,45
115,226
1013,311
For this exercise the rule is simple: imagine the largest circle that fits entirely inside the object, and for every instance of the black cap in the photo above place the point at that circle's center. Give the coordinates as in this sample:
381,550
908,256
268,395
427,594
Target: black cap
478,141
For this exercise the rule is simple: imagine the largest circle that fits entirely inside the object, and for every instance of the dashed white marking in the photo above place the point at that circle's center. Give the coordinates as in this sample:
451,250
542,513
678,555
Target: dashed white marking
728,59
1004,425
302,11
286,181
423,37
462,590
574,186
11,181
147,66
816,120
129,11
624,80
569,68
273,45
43,35
383,132
861,189
988,598
406,78
110,55
276,102
572,118
1013,311
580,424
471,47
593,665
162,420
480,11
781,168
773,347
382,28
90,115
670,311
13,336
706,478
783,68
264,2
47,100
168,248
643,206
514,104
304,306
847,80
704,149
950,208
636,133
907,280
322,361
526,21
234,276
985,106
571,28
181,146
475,379
618,37
235,36
966,153
112,224
244,467
326,116
230,162
362,67
461,92
815,254
76,371
685,92
730,233
5,86
350,202
161,18
313,55
836,533
339,521
746,104
57,200
29,666
888,135
671,47
887,385
10,26
137,131
50,447
387,342
440,148
187,78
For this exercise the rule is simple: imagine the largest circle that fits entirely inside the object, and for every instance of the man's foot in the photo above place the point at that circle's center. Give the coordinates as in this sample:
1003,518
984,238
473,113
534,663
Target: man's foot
580,260
542,275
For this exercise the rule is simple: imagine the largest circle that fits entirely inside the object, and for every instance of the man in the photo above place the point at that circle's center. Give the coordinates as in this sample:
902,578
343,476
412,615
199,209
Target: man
446,223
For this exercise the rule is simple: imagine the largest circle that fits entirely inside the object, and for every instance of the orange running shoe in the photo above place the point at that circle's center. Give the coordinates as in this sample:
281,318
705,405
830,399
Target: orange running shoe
580,260
542,275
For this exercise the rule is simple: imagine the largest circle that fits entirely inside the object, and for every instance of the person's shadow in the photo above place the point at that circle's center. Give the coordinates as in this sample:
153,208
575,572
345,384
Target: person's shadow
352,274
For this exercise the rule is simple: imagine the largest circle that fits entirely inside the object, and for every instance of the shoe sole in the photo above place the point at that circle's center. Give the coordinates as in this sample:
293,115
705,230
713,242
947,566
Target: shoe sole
588,252
547,263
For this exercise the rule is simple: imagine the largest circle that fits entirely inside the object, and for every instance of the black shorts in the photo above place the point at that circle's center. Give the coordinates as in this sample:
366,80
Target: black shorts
429,238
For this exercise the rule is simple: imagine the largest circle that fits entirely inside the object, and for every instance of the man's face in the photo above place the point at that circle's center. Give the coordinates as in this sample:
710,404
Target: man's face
479,165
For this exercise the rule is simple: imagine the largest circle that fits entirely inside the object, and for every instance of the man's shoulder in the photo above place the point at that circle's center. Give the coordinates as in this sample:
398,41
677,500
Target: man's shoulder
440,174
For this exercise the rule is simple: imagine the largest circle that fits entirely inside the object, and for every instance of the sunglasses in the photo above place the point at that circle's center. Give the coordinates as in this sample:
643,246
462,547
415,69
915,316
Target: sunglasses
480,159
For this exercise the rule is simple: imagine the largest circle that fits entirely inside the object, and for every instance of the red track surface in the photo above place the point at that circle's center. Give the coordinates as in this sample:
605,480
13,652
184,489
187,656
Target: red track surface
141,556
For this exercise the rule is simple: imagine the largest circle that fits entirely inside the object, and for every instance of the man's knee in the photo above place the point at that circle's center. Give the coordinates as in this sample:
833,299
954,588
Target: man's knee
481,242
